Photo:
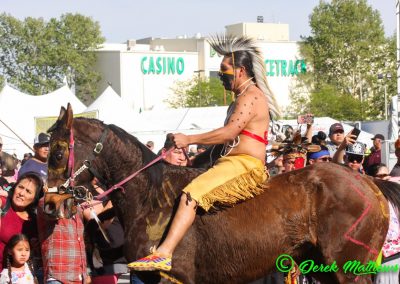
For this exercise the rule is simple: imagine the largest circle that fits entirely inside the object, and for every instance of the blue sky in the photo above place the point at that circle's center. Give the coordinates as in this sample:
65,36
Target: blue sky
129,19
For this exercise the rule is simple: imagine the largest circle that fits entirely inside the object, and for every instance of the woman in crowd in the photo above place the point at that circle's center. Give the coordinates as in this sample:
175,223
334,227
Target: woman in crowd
18,211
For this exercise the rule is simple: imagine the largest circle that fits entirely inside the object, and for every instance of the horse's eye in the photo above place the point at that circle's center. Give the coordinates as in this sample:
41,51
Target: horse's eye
59,156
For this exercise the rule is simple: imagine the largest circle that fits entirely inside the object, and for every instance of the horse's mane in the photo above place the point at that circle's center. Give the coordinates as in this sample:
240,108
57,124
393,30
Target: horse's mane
155,172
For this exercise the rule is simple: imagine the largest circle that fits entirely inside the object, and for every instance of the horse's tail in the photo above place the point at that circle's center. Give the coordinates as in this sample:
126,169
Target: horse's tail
391,191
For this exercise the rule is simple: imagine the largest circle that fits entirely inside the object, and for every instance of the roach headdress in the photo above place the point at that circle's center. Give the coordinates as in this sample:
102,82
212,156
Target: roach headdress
227,45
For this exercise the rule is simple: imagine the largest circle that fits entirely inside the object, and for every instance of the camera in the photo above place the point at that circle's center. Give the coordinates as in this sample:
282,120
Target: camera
305,119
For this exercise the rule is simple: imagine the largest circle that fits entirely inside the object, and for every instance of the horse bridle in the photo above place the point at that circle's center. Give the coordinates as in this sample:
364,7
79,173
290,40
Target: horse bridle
81,192
68,187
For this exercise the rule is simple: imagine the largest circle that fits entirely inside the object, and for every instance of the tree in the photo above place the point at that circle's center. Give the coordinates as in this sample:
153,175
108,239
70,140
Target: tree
347,51
36,56
198,92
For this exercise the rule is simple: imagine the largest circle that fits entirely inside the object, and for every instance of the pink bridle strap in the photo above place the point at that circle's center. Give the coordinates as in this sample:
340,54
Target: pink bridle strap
71,157
119,185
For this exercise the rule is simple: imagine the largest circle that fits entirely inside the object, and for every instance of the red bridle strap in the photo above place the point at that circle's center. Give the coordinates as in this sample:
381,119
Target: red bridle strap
71,158
119,185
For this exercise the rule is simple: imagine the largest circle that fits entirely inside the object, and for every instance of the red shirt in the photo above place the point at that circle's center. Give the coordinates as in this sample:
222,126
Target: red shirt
374,158
63,249
11,224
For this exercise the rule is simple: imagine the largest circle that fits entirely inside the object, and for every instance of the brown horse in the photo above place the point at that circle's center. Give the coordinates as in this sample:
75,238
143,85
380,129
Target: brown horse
327,212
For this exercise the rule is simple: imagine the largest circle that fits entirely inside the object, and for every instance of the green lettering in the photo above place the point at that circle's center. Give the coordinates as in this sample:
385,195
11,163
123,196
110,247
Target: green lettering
271,68
298,62
303,66
277,67
144,71
292,71
151,65
351,265
266,66
284,68
159,67
180,66
212,52
171,65
306,266
164,65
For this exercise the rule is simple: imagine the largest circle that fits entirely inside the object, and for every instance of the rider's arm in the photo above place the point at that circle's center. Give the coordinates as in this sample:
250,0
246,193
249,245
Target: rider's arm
244,112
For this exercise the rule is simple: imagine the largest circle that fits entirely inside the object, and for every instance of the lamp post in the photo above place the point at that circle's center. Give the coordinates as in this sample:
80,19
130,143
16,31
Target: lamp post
198,83
381,77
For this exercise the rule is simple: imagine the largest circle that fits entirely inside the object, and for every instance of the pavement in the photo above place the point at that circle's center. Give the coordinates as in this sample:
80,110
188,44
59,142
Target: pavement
123,279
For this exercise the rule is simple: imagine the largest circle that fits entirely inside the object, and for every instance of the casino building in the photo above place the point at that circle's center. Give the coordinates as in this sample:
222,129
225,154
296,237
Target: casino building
144,71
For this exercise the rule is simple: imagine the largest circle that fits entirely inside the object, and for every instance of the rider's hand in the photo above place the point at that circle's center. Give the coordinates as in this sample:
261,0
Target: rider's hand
181,140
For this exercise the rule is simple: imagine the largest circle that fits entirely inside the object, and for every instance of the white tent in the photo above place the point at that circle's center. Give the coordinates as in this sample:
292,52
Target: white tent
156,124
19,110
113,110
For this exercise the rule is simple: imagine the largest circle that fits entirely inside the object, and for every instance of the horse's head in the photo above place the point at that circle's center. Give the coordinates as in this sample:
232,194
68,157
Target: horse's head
68,177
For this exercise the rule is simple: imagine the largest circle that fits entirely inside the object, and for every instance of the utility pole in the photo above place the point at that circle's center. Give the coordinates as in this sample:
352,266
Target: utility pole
198,83
398,60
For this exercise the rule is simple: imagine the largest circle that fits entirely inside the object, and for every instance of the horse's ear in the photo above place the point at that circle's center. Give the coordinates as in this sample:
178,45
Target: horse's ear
59,121
70,116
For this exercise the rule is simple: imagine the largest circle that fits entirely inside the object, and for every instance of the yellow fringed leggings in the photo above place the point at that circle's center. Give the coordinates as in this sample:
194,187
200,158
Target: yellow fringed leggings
231,179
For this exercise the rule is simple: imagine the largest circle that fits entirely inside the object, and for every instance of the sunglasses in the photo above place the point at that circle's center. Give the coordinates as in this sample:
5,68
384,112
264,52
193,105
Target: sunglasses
381,175
326,159
355,158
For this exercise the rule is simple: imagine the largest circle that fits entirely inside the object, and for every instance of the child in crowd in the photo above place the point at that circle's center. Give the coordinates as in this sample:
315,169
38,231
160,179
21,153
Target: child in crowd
19,267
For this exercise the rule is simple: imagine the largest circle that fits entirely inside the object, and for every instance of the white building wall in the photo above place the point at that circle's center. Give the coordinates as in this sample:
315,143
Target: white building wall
149,90
108,64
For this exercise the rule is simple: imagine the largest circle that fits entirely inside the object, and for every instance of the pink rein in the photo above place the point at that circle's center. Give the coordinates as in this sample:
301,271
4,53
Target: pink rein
119,185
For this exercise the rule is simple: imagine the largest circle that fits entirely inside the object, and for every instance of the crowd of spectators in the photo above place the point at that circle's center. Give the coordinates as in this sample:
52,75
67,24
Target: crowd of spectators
103,261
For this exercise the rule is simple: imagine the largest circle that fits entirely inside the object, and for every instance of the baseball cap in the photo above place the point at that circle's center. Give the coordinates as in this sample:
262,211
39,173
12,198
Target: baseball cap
41,139
378,136
335,127
201,146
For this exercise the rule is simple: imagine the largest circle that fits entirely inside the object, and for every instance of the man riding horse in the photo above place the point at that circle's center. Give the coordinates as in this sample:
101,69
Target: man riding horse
239,173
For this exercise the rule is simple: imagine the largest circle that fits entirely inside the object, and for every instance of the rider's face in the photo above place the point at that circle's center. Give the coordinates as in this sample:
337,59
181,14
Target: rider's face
226,74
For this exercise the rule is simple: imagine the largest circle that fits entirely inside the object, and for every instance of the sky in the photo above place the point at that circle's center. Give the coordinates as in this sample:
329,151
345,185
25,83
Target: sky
121,20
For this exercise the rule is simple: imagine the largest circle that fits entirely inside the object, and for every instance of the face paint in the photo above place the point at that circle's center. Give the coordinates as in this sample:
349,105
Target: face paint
226,79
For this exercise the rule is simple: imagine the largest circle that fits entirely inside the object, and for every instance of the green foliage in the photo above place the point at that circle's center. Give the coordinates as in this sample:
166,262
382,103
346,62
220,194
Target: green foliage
198,92
327,102
36,56
347,50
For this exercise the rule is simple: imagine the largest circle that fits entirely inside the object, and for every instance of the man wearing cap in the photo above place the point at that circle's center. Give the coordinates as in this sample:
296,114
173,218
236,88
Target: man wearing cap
375,156
355,156
38,163
336,136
